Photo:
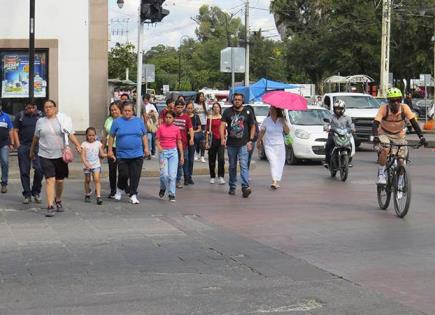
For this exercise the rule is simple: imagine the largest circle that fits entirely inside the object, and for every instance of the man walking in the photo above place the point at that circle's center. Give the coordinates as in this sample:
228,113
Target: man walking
183,122
239,122
24,129
6,143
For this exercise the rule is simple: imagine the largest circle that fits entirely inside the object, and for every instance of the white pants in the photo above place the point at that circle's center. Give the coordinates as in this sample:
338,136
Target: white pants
276,156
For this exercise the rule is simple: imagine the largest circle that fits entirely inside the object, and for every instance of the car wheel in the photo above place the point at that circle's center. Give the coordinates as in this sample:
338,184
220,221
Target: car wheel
290,157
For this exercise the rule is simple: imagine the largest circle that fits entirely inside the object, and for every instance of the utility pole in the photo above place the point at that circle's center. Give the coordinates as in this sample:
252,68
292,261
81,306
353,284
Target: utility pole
139,65
247,43
385,48
31,85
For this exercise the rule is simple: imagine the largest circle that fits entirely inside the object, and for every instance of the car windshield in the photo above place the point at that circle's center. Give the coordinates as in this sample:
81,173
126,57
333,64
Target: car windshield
359,101
309,117
261,110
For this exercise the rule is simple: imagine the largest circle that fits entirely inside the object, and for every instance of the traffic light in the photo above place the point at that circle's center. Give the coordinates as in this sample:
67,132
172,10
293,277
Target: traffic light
151,11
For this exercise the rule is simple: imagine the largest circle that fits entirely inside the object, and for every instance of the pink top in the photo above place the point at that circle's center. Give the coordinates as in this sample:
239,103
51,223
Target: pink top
168,136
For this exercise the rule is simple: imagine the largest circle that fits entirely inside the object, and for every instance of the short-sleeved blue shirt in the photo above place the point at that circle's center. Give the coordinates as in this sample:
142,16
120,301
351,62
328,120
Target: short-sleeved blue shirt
129,134
5,127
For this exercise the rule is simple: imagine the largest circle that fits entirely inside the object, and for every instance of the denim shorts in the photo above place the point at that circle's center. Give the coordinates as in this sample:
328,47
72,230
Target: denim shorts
94,170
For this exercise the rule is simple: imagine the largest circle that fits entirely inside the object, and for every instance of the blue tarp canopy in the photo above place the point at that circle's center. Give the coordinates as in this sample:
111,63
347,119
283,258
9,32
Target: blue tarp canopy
255,91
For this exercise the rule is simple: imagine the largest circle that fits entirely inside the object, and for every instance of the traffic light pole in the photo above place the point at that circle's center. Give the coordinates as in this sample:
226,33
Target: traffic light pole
31,85
139,65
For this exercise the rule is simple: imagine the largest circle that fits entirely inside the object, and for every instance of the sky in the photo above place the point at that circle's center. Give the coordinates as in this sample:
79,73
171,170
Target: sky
179,23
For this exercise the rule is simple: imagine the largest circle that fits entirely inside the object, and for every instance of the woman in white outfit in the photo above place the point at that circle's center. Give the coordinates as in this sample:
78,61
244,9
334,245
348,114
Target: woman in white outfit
271,136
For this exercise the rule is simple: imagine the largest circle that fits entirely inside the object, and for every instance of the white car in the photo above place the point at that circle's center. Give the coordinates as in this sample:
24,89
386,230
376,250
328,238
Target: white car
308,134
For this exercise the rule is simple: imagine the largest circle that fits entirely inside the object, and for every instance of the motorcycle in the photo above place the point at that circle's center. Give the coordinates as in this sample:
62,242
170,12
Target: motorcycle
341,152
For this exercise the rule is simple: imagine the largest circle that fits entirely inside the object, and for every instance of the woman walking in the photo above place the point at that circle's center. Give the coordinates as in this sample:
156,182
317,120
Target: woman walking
196,125
215,149
131,147
201,110
271,136
168,139
52,133
115,112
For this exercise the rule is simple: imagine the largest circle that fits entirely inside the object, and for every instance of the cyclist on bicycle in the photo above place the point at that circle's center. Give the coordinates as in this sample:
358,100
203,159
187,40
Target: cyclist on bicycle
389,126
338,120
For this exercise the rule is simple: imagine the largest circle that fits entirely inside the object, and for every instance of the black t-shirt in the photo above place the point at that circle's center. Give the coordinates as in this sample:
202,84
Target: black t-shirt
238,125
26,126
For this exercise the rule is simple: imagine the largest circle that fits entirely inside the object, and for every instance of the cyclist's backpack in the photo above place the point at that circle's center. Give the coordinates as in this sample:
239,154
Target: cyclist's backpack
402,113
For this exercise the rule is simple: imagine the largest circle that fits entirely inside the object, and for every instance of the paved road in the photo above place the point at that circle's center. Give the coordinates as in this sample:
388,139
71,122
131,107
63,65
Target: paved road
294,251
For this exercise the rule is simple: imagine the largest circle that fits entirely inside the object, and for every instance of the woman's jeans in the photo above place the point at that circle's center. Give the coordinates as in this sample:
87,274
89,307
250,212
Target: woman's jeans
241,155
129,171
216,150
113,172
198,138
4,161
168,170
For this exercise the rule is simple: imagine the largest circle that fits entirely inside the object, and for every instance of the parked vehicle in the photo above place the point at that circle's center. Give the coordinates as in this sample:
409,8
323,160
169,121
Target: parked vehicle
362,108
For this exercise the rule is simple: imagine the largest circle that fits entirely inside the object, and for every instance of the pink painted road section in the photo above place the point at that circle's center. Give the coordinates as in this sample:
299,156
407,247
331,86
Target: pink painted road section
337,226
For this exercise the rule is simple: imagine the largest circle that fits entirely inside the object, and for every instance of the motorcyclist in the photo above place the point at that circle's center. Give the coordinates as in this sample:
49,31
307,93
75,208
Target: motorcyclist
389,126
338,120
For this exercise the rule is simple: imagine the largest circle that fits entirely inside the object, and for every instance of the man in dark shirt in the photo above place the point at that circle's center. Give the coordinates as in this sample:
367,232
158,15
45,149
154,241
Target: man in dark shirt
183,122
6,143
239,122
24,129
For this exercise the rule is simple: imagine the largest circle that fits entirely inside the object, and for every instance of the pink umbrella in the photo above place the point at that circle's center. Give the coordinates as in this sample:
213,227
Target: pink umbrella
285,100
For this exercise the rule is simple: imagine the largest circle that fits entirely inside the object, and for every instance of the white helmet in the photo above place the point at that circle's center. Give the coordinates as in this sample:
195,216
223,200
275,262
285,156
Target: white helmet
339,104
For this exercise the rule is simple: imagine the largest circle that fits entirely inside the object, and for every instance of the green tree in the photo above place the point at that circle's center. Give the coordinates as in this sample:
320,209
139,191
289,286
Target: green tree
326,37
122,57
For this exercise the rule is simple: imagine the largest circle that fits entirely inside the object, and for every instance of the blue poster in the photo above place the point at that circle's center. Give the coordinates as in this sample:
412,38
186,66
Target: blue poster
15,70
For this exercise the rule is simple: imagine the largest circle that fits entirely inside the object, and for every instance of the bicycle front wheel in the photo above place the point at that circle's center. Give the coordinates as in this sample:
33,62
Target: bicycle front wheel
402,192
384,196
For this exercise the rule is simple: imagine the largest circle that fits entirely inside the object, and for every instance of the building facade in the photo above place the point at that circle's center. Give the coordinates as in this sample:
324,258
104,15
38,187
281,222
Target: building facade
71,65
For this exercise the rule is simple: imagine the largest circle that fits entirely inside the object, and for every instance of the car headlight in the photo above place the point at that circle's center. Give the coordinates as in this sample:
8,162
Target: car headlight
302,134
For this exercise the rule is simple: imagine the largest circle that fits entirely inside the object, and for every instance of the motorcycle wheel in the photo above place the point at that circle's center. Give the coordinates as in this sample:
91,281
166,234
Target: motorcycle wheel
344,169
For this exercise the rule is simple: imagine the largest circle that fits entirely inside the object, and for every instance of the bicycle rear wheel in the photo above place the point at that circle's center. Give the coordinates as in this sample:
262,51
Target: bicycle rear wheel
402,192
384,196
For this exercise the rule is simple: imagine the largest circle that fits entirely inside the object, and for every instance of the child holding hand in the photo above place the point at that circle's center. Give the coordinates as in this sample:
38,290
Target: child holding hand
92,150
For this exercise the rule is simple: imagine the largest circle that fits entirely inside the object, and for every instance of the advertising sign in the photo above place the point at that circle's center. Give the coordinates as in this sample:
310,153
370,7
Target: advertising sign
15,75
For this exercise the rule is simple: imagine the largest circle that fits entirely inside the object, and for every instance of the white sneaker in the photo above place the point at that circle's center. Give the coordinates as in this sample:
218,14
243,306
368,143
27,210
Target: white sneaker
133,200
196,158
202,159
381,179
212,180
221,181
118,194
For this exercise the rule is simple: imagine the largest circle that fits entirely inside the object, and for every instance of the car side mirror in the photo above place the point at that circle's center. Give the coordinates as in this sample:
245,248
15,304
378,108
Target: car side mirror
326,120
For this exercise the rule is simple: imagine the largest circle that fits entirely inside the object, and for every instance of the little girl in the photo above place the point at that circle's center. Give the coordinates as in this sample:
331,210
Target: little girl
168,139
91,153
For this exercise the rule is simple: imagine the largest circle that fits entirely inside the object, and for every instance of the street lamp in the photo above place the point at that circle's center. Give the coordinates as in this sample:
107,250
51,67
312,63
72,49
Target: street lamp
179,60
120,3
